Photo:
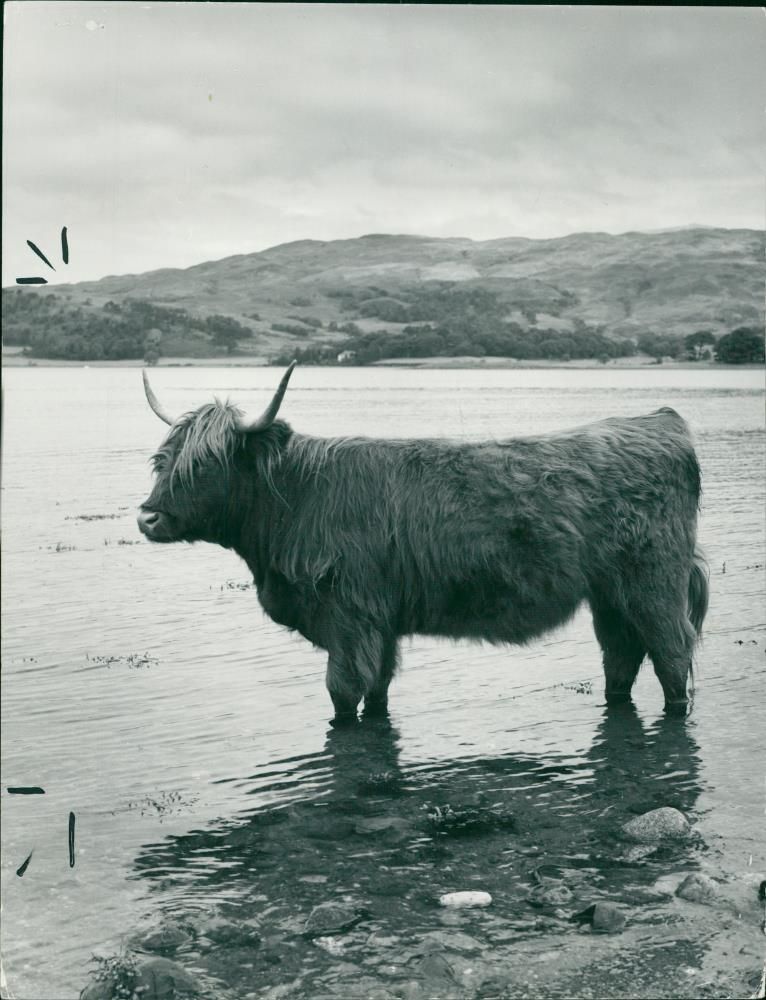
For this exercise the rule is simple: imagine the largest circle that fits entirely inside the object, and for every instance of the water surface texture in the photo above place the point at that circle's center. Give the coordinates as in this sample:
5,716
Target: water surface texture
145,691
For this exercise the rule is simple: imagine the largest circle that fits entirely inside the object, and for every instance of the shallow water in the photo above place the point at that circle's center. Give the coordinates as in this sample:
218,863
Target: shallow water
145,691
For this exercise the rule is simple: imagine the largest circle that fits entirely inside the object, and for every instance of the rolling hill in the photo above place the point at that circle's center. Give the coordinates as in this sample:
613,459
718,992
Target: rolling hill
669,283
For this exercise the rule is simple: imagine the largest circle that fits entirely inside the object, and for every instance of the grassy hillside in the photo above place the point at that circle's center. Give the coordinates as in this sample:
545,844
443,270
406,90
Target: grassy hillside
619,288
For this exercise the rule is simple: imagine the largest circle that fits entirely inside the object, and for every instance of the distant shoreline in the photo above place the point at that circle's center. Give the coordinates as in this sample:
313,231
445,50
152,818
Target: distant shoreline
14,359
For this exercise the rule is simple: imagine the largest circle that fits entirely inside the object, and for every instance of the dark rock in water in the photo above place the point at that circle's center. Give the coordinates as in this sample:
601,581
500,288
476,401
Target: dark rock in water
605,918
229,933
434,968
329,828
331,918
161,979
657,825
550,895
392,827
698,888
97,991
166,938
608,918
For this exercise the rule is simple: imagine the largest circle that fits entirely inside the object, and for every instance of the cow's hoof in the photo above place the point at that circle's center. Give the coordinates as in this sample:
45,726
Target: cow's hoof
678,709
617,697
344,721
375,710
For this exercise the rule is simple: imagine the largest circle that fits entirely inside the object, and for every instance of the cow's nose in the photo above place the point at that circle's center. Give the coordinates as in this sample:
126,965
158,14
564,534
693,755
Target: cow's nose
147,520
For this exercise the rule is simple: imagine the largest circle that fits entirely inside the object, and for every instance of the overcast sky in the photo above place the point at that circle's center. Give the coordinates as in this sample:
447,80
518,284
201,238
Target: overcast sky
164,135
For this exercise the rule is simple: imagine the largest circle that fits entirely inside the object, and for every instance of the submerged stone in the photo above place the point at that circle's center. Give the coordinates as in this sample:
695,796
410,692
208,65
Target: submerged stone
389,825
97,991
657,825
434,968
168,937
604,918
450,940
331,918
638,852
608,918
161,979
229,933
698,888
550,895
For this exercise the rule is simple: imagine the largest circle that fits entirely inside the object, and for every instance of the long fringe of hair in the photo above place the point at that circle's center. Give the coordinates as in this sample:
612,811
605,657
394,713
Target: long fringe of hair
207,434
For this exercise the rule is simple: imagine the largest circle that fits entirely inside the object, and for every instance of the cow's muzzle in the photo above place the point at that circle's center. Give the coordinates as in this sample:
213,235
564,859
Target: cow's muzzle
157,526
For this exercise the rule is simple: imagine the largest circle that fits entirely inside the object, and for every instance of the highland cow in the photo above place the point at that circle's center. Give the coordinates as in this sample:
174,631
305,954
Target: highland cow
355,542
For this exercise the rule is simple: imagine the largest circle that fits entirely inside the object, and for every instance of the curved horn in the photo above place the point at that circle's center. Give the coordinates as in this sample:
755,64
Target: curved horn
269,415
154,402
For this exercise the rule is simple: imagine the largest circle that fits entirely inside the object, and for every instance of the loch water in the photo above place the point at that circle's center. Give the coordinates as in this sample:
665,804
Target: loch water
144,690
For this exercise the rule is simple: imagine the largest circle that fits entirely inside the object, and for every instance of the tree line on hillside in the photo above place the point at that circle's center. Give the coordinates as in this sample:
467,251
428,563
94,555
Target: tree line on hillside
451,321
438,302
741,346
490,337
50,326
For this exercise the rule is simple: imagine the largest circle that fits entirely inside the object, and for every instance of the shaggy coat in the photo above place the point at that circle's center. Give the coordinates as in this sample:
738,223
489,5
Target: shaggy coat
355,542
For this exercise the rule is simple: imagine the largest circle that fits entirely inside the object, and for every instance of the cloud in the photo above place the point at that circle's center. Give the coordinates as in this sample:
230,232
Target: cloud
178,132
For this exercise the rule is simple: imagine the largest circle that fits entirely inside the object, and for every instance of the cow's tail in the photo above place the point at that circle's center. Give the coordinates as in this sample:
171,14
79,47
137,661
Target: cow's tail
698,591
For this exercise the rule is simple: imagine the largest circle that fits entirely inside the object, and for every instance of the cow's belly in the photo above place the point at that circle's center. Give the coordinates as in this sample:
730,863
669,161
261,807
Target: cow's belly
497,613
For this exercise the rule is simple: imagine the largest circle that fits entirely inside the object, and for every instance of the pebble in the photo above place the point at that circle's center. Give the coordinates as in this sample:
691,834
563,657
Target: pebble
658,824
469,897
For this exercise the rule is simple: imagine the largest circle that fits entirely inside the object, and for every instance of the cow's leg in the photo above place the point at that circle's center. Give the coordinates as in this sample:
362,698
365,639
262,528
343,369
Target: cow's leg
657,609
344,690
671,645
354,665
623,650
376,699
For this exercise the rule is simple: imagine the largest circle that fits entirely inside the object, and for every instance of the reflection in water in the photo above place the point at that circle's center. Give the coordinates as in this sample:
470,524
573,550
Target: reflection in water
355,800
628,769
644,768
361,826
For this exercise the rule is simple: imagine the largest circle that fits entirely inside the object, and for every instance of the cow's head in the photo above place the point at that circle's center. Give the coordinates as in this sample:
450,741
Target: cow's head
193,467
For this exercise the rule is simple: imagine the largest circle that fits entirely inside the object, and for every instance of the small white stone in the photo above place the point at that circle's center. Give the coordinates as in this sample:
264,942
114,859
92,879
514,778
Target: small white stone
469,897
